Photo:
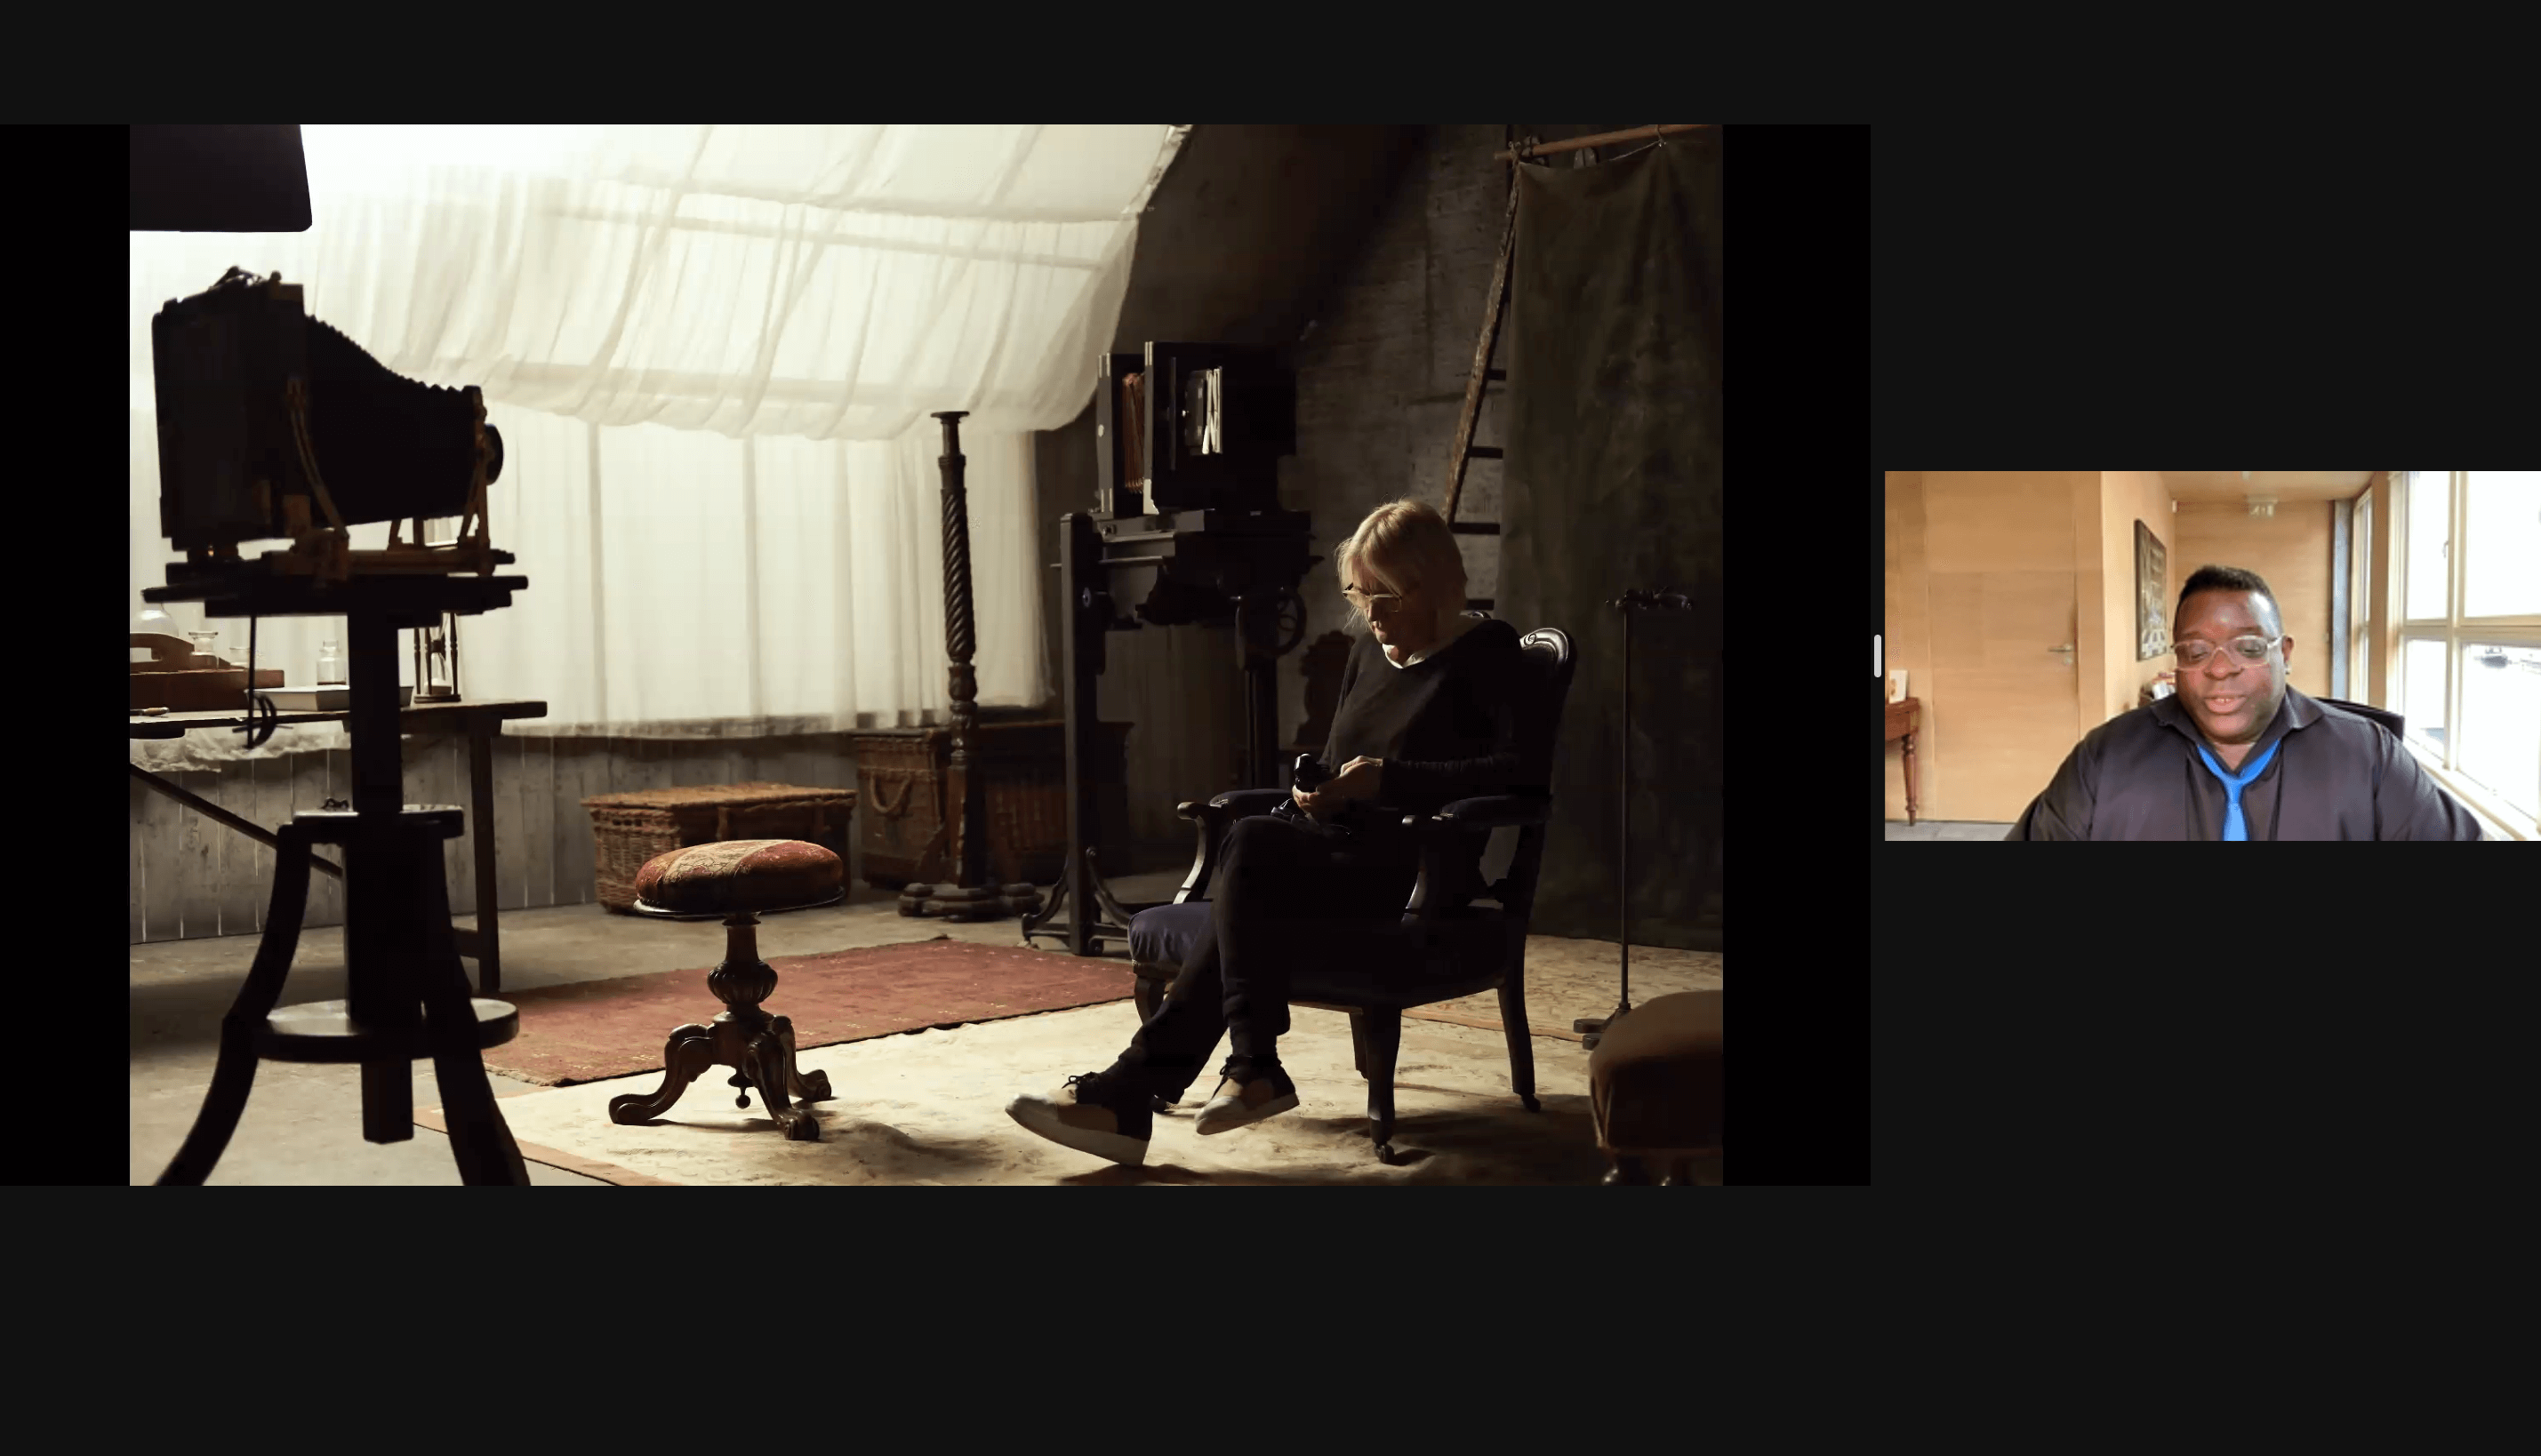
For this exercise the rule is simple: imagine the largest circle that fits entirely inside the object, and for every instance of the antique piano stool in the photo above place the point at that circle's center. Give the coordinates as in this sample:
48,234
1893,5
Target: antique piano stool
739,881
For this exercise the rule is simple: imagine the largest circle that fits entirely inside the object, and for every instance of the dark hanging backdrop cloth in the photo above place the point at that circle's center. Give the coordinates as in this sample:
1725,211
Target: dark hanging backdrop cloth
1614,481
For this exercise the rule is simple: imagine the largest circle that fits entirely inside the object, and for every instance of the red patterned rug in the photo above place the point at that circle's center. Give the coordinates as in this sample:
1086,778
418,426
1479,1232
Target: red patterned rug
593,1029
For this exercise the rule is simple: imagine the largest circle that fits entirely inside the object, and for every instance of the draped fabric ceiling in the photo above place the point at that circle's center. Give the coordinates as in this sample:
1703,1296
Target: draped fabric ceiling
712,351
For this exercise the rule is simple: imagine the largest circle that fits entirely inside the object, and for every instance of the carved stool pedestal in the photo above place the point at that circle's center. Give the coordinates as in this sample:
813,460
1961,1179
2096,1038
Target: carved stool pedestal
738,881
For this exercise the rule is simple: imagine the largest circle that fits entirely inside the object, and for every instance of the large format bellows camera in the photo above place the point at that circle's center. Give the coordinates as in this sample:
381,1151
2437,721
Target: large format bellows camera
273,425
1194,427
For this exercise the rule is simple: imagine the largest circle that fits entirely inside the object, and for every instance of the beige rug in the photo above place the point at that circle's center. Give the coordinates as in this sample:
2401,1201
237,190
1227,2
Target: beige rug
929,1109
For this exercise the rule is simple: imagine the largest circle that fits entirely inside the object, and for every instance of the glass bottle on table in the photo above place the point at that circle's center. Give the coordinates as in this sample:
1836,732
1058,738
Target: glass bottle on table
330,664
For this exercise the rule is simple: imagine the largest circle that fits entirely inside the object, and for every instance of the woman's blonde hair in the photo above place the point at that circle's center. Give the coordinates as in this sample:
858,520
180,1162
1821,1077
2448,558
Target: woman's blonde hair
1404,544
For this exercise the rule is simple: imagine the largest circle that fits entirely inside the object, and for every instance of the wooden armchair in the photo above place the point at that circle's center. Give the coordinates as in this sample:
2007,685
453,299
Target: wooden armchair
1456,936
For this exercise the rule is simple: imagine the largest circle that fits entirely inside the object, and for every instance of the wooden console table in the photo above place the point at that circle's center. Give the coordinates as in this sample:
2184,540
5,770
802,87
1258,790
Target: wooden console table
481,721
1901,718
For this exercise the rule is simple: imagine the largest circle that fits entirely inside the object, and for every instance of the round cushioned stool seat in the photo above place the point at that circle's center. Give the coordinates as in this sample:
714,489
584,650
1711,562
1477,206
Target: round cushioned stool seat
1654,1079
735,875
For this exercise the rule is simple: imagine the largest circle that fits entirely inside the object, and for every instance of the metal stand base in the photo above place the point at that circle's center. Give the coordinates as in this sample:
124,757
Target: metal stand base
1593,1028
955,903
1109,919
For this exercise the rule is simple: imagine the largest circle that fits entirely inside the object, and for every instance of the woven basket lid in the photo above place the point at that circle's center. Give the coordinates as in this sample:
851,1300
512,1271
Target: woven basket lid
714,796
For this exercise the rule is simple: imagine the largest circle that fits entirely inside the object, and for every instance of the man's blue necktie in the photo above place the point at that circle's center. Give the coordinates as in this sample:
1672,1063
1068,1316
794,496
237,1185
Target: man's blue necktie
2234,828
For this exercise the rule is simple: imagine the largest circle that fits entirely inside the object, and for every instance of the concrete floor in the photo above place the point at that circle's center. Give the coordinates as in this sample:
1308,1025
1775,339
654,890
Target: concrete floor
1934,829
302,1123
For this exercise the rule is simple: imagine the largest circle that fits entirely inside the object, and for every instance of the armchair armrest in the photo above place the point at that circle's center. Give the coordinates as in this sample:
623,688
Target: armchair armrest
1446,887
1485,812
1211,819
1232,805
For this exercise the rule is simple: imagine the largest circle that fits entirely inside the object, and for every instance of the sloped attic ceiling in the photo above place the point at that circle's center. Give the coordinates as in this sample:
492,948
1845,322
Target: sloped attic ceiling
1251,227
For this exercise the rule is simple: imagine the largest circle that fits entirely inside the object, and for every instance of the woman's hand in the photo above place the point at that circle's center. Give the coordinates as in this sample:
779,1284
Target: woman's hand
1357,780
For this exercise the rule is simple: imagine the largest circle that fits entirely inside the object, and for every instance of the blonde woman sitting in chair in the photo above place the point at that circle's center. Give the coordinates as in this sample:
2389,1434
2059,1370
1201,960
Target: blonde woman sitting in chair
1428,715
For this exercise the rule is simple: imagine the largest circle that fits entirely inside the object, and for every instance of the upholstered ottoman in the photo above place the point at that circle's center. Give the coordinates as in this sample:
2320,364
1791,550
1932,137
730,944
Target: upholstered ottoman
1654,1086
739,881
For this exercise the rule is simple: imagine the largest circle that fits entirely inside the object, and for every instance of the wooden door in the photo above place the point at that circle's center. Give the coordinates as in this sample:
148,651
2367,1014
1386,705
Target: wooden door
2003,708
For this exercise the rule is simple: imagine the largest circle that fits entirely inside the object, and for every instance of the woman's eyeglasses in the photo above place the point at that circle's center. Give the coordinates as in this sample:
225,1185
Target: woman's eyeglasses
2248,649
1363,601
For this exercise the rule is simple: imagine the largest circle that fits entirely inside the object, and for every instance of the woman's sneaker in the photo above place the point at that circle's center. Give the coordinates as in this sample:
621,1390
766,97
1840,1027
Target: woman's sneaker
1246,1095
1092,1114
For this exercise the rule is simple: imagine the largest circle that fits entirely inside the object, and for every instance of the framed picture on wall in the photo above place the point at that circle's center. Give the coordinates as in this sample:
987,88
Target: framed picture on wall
2152,630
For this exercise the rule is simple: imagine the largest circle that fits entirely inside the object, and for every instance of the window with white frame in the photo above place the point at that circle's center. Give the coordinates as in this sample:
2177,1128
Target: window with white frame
2468,675
2359,594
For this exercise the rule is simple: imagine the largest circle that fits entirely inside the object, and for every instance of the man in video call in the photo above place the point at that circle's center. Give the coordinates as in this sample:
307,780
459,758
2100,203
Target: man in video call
2235,754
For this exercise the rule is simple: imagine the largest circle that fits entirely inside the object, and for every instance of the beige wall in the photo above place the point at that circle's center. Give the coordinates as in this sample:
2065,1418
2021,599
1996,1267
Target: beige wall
1909,622
2126,497
1910,619
2290,548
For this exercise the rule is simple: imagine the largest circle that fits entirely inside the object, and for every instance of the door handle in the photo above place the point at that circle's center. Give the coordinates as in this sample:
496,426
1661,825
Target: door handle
2067,647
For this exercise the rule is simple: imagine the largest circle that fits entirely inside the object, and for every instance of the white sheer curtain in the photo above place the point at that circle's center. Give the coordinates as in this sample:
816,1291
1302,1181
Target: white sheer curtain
712,351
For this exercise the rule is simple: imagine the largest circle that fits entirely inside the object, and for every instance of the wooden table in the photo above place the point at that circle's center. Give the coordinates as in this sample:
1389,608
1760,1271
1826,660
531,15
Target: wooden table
1901,724
481,721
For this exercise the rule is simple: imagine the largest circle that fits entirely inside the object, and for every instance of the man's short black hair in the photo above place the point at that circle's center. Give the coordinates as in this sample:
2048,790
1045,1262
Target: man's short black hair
2232,579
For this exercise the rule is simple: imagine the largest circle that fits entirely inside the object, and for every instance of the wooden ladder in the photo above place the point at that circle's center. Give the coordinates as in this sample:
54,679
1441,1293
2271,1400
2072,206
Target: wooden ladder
1466,451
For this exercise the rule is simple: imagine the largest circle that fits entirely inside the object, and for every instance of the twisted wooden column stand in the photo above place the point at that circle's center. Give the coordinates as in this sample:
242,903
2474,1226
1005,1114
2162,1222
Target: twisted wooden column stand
759,1048
971,896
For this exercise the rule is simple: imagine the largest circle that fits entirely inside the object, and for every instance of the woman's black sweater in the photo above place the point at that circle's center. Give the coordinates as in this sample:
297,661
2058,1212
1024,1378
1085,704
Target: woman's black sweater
1448,727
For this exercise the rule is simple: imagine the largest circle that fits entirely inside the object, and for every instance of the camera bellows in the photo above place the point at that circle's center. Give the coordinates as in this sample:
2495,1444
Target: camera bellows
240,370
387,447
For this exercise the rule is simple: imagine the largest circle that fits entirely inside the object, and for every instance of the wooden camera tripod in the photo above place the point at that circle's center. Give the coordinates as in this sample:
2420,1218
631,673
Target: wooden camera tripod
408,992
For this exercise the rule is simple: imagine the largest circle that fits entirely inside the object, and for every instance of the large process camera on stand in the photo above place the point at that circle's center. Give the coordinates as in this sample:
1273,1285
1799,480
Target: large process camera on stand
274,426
1186,529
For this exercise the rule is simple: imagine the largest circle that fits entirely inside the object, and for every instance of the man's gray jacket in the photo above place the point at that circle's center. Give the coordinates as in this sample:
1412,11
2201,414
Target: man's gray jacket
2335,775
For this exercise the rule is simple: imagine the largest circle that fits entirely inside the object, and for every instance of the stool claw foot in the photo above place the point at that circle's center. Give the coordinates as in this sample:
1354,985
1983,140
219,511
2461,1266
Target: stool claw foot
1531,1104
805,1086
1386,1154
689,1053
770,1068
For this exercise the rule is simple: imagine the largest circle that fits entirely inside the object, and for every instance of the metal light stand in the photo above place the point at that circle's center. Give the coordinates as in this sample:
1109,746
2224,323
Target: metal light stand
1593,1028
972,896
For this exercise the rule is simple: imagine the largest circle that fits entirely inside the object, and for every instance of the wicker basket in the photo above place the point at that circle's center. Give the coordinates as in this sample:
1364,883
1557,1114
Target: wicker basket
904,773
631,828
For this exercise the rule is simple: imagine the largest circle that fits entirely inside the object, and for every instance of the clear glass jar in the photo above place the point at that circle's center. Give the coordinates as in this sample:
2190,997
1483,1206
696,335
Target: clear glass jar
330,664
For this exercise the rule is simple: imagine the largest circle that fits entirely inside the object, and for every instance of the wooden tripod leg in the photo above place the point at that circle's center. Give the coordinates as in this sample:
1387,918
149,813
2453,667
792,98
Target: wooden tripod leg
478,1137
234,1073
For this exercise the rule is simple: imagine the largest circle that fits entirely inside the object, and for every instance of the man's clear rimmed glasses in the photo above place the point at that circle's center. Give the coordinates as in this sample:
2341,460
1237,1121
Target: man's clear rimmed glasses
2247,649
